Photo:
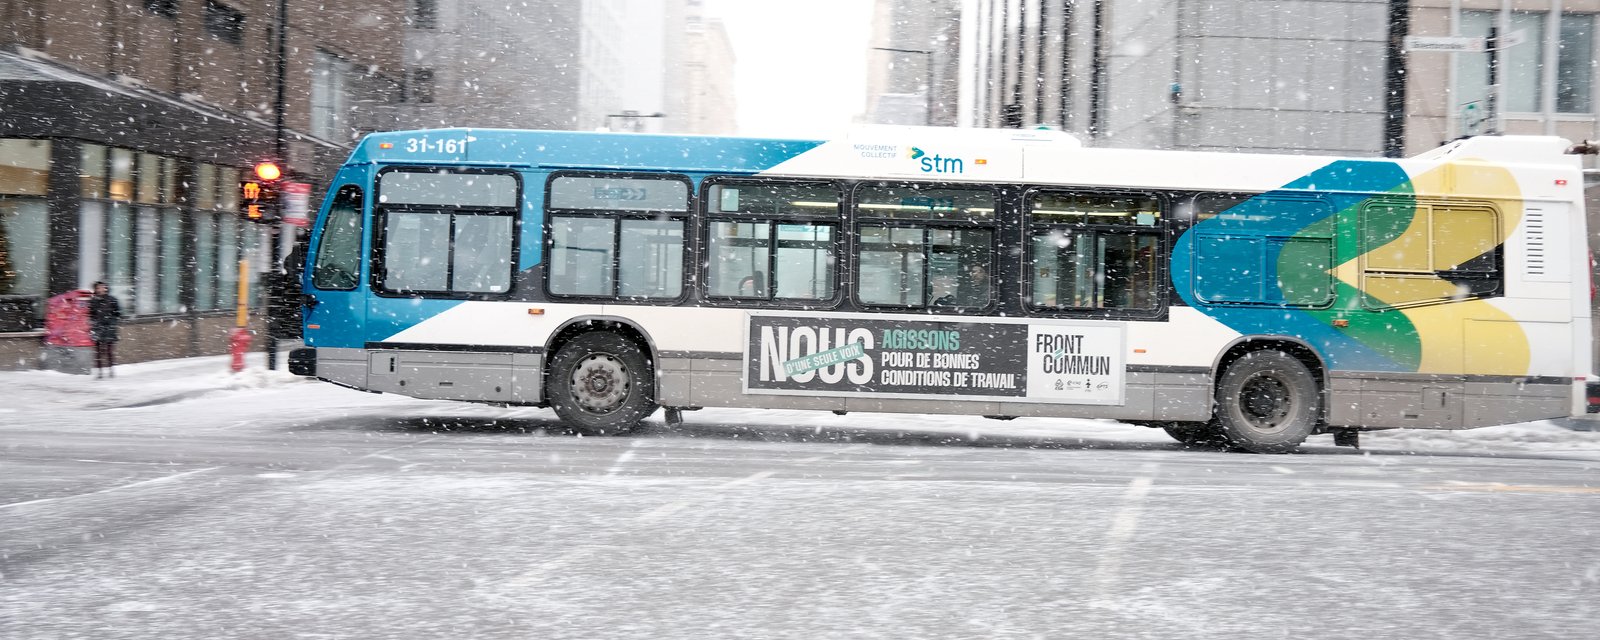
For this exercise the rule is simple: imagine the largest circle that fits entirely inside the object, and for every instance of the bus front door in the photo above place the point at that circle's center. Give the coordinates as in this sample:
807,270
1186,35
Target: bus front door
335,293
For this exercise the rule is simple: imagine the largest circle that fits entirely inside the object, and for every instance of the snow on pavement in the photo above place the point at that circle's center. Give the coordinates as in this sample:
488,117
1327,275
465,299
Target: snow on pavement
190,392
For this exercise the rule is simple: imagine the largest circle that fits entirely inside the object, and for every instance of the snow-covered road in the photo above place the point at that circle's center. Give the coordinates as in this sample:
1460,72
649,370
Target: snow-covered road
178,501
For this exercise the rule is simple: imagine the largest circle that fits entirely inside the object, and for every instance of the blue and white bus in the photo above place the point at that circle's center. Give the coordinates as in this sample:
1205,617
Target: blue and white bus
1250,300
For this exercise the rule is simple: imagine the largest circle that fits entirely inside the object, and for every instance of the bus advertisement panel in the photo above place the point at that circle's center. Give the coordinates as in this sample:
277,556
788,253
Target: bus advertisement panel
909,357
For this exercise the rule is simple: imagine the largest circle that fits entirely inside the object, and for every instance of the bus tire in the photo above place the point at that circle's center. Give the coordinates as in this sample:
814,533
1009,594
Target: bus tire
1267,402
601,384
1196,435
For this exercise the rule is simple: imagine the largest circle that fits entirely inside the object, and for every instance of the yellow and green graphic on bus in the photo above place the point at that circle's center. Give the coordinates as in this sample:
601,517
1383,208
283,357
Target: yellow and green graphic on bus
1392,282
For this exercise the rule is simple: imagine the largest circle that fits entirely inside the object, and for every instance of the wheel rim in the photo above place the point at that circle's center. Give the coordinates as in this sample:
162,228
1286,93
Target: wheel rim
600,383
1266,402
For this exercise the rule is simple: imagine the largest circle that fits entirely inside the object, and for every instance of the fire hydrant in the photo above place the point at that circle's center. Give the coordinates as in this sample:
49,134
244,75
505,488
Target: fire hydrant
238,344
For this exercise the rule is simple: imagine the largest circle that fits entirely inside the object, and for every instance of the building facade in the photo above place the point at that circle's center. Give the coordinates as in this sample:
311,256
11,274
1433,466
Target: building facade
642,97
125,128
1548,74
478,63
1299,76
620,65
603,67
705,97
913,61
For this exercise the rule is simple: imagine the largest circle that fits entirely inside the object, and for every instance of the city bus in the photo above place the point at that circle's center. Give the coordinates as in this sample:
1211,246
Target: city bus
1242,300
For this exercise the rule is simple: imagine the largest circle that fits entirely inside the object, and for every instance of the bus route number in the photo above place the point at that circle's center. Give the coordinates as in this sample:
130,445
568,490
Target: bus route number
439,145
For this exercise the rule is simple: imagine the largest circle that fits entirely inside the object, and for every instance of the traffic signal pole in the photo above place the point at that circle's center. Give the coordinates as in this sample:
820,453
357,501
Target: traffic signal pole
280,151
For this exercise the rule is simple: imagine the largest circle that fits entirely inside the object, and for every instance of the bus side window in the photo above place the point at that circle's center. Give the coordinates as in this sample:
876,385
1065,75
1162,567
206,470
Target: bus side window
1094,250
771,240
739,253
924,245
1258,250
617,235
448,232
339,253
1416,253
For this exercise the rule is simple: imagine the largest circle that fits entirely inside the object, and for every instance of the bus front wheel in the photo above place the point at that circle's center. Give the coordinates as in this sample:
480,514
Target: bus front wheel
1267,402
601,384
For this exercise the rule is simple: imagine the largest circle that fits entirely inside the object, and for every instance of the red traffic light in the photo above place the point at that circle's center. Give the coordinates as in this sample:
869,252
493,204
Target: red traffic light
268,171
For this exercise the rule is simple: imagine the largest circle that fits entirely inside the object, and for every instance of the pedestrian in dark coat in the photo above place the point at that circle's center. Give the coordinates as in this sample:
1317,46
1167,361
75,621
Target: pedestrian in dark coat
104,315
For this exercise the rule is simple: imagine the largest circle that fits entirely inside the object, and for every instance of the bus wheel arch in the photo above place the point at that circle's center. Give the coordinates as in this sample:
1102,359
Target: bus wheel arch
1269,395
600,376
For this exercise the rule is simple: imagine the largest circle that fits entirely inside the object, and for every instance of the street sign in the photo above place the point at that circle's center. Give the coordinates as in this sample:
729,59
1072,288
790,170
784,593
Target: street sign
1512,39
1424,44
1473,115
297,203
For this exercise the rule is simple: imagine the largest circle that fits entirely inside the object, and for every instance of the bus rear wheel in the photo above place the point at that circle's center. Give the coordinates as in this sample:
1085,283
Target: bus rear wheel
1267,402
601,384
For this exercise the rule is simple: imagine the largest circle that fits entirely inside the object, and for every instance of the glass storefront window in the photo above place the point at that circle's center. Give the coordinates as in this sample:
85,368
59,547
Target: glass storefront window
24,245
91,242
169,181
149,239
227,261
121,175
24,167
130,232
228,190
119,255
141,250
1575,63
205,186
171,260
149,178
205,260
91,171
1523,66
24,216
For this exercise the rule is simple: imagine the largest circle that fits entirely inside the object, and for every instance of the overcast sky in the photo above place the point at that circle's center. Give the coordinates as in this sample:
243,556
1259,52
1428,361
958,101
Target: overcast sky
801,65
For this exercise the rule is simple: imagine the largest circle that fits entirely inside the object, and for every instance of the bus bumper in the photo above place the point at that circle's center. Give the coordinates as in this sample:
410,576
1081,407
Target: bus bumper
303,362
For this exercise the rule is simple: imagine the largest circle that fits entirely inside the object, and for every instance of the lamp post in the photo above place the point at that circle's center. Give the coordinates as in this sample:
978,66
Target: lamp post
927,89
632,118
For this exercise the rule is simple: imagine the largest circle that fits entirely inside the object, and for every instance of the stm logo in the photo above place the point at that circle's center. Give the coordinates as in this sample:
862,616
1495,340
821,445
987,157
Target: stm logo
937,163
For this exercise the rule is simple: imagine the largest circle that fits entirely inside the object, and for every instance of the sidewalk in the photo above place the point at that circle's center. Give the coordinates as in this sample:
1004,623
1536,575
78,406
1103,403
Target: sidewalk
139,385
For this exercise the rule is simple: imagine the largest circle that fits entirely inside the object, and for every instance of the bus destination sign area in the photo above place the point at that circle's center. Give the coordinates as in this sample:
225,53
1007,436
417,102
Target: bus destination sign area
873,356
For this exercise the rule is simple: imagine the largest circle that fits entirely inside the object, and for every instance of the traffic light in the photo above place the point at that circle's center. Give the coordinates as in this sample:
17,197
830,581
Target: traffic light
259,199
